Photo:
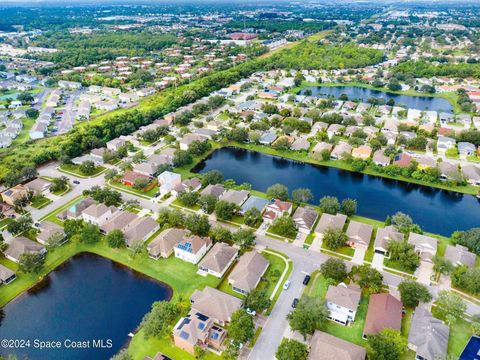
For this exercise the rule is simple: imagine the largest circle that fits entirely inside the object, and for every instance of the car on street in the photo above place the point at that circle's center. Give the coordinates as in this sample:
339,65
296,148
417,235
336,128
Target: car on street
297,237
286,285
294,303
76,182
306,279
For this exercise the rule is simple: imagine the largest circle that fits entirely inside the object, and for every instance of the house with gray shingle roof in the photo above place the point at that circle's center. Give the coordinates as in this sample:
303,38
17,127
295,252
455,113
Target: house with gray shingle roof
460,255
218,260
248,272
342,301
428,336
324,346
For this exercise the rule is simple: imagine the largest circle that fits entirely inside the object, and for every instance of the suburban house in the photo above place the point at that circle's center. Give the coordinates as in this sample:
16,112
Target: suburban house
119,220
342,301
237,197
425,246
192,248
215,304
322,344
215,190
472,174
6,275
277,208
329,221
21,245
428,336
218,260
49,229
448,171
460,255
39,186
254,202
115,144
140,229
165,242
362,152
304,218
444,143
17,192
359,234
197,329
98,214
187,185
188,139
130,177
466,149
384,311
384,236
322,146
167,181
402,160
75,211
340,150
248,272
380,159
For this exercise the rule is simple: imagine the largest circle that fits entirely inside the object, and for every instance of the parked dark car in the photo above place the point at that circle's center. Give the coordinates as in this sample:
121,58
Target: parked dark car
306,280
76,182
294,303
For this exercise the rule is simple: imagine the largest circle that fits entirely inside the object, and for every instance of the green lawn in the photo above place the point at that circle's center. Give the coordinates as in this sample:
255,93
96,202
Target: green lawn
271,230
309,239
344,250
195,207
130,189
75,169
277,266
396,266
39,202
140,347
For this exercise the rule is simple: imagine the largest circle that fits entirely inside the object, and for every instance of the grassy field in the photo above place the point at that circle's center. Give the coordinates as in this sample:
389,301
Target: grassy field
75,169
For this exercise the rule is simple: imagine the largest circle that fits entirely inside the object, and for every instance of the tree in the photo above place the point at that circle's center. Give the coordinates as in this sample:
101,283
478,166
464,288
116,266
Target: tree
309,315
334,269
31,263
367,277
349,206
334,238
212,177
220,234
290,349
90,234
32,113
411,293
157,321
238,135
181,158
110,174
387,344
329,205
278,191
55,240
242,327
404,254
302,195
87,167
245,238
59,184
20,225
469,238
208,203
225,210
402,221
442,265
284,226
141,183
188,198
115,238
137,247
197,224
450,304
253,217
72,227
467,278
257,300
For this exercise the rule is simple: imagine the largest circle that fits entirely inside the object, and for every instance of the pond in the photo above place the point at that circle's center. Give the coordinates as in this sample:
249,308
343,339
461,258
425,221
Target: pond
88,298
363,94
435,210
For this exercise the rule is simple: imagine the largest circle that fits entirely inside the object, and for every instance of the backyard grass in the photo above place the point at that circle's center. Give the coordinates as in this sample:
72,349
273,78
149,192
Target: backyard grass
75,169
140,347
130,189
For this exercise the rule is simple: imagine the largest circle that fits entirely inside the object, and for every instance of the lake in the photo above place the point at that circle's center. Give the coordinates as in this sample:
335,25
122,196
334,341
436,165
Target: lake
363,94
435,210
87,298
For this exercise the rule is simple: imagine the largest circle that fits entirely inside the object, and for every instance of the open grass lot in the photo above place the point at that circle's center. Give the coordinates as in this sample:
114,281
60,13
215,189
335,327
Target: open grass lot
271,230
396,266
75,169
344,250
195,207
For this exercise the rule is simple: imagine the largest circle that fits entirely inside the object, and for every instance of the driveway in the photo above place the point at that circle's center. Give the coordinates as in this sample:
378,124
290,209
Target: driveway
424,272
359,255
377,261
